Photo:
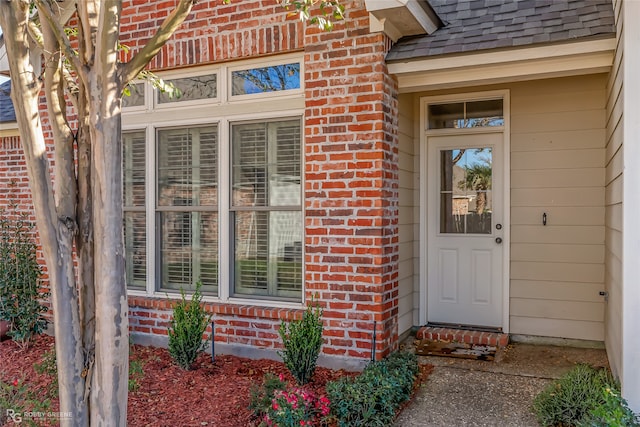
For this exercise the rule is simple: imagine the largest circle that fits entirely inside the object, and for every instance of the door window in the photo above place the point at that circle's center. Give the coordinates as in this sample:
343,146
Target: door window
465,191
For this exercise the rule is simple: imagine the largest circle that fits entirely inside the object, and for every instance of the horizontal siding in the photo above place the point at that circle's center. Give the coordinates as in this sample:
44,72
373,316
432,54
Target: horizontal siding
558,271
557,178
562,215
551,234
557,253
573,329
406,217
558,309
558,159
558,140
566,196
558,167
561,291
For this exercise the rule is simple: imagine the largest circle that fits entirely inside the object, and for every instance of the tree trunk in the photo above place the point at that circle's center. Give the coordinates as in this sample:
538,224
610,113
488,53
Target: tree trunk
89,301
481,201
53,229
110,385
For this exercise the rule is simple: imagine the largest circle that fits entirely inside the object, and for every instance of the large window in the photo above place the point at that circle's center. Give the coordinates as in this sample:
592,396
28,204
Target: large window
267,213
212,195
135,241
187,203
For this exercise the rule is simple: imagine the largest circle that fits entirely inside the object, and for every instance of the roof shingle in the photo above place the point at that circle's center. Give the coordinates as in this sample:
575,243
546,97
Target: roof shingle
472,25
7,113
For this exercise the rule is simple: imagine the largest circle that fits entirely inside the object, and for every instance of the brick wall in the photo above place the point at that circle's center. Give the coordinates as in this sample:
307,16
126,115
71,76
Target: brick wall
351,186
213,32
351,169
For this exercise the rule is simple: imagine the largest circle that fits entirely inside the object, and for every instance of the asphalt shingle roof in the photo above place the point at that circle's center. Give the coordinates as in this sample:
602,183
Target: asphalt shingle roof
472,25
7,113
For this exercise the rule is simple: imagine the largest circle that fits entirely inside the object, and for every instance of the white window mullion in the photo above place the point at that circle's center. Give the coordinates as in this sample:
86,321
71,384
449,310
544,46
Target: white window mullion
151,209
196,216
224,222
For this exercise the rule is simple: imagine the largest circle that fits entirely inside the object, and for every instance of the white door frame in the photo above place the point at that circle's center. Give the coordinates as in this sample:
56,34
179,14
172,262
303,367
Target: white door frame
424,211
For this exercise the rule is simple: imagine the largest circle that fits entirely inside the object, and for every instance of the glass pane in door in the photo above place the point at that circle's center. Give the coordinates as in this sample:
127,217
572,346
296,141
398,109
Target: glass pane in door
465,191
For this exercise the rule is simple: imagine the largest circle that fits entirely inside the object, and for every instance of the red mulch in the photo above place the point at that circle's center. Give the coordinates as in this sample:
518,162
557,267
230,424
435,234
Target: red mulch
213,394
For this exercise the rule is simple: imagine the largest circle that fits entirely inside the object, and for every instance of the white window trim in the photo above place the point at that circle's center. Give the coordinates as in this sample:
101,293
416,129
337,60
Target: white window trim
148,119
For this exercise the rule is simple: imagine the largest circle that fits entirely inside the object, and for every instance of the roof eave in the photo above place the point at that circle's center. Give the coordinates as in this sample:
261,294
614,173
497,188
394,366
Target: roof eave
8,129
505,65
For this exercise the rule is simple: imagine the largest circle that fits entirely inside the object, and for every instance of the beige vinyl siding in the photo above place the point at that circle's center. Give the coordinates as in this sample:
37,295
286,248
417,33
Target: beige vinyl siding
557,168
613,201
406,220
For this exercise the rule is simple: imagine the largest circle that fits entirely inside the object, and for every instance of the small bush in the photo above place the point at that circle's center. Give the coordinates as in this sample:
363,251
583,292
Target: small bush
296,407
373,397
20,294
276,404
584,396
187,328
612,412
262,396
302,340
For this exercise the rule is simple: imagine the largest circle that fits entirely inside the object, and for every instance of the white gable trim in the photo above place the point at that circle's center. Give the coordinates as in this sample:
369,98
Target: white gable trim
630,375
399,18
531,63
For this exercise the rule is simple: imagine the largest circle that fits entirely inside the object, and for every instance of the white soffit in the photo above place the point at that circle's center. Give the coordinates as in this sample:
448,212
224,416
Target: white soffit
399,18
531,63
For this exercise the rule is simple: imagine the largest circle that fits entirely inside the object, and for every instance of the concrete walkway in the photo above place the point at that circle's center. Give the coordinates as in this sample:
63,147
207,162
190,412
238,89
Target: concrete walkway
476,393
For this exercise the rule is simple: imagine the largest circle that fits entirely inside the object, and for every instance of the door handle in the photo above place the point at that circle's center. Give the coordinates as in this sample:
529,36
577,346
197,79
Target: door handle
498,240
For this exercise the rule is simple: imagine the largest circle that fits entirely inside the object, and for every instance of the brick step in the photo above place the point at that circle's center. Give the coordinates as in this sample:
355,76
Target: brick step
495,339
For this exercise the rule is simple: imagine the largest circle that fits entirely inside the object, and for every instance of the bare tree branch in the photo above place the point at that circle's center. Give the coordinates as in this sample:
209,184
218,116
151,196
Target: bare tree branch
45,9
86,12
131,69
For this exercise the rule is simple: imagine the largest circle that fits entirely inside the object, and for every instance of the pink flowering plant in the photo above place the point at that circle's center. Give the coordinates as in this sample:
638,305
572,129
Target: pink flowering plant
296,407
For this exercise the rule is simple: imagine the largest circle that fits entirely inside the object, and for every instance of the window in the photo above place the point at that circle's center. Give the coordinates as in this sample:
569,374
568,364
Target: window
191,88
470,114
187,201
212,194
466,191
133,96
265,79
135,232
267,212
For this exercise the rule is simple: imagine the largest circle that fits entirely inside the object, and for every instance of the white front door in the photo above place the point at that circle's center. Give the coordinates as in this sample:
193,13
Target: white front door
465,229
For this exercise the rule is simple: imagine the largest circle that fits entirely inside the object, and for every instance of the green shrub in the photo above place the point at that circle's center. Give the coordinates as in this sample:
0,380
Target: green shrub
612,412
302,340
584,396
373,397
187,328
20,294
135,374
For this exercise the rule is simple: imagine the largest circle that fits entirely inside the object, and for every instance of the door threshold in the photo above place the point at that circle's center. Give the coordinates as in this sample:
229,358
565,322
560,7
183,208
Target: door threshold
464,327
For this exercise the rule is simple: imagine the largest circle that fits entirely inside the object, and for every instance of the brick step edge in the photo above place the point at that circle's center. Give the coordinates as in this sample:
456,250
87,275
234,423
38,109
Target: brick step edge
463,336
